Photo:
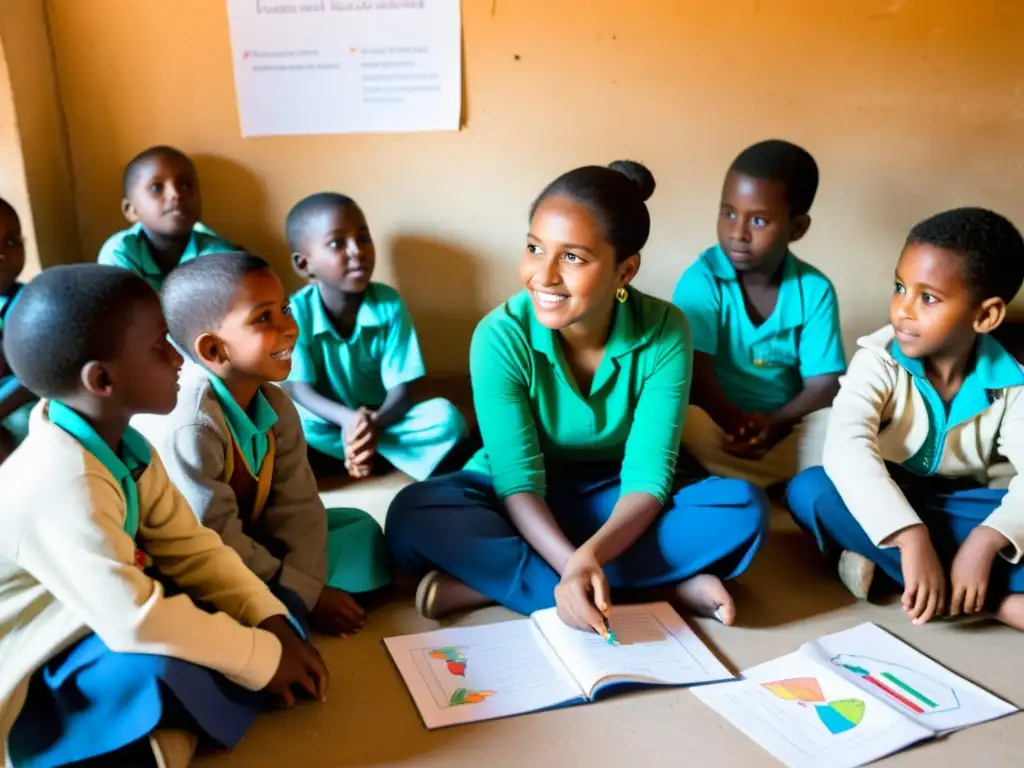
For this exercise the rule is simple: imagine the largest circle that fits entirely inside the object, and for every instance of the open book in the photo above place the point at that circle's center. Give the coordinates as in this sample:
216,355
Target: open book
467,674
848,699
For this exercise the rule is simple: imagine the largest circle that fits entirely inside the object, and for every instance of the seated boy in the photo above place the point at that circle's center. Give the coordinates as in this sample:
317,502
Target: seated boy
357,352
15,401
767,346
923,408
99,664
163,205
234,445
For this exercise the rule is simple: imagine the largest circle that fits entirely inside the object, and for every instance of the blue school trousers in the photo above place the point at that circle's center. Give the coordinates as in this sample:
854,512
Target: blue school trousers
91,702
456,523
950,507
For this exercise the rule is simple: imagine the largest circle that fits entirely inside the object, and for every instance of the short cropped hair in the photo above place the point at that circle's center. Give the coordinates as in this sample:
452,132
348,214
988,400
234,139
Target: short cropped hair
136,164
296,225
66,317
785,163
197,295
991,247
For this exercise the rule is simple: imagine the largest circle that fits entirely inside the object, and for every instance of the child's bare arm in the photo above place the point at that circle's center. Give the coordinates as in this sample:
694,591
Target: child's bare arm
708,395
330,410
396,404
818,393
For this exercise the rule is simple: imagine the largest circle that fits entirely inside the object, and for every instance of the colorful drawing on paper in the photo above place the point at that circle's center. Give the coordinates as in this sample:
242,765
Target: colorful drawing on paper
909,688
837,716
445,672
453,658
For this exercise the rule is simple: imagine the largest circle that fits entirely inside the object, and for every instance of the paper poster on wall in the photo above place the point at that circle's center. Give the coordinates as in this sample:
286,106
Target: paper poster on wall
346,66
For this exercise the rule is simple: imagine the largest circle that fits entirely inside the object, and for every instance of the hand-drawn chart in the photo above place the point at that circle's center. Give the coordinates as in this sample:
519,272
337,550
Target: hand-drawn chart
837,716
444,671
912,690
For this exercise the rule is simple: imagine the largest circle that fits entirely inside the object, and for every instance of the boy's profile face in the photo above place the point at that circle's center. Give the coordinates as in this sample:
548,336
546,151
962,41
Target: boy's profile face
145,375
12,247
932,308
338,249
257,336
754,224
165,198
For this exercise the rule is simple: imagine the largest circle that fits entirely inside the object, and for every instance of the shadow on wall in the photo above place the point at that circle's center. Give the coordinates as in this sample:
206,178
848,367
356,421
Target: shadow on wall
441,284
222,179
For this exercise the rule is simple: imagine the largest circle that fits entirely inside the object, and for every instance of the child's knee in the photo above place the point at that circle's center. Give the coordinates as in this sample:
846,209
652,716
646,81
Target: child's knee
405,512
450,423
804,492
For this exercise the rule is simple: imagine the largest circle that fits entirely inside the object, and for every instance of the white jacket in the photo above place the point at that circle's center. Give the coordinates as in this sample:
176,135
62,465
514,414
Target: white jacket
67,567
880,415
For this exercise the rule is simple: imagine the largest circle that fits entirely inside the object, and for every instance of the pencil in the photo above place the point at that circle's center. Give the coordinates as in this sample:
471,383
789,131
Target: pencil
608,635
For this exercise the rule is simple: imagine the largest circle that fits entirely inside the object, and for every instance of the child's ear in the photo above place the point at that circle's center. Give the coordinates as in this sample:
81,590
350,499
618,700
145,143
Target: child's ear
96,379
799,227
209,350
991,315
301,266
129,212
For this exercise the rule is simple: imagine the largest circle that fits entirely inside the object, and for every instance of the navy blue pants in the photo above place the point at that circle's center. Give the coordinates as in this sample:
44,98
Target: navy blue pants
950,507
457,524
90,701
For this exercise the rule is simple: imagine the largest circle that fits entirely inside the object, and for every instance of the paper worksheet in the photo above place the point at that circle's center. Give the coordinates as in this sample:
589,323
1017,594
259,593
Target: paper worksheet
464,675
848,699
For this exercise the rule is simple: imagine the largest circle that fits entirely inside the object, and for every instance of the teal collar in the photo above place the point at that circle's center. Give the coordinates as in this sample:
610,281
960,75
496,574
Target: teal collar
7,301
626,335
366,316
788,312
133,459
249,429
993,368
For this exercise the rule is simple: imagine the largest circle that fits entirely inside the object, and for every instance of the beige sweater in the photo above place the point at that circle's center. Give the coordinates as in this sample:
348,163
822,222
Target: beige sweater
194,442
67,567
879,415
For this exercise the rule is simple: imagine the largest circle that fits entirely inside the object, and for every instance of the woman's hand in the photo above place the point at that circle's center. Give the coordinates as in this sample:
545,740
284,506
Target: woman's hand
582,598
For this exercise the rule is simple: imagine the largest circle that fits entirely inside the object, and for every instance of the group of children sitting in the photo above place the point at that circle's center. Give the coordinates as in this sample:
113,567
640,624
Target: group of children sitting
154,589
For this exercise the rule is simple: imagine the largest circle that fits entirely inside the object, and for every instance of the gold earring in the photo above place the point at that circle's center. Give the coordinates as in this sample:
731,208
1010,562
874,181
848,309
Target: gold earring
622,294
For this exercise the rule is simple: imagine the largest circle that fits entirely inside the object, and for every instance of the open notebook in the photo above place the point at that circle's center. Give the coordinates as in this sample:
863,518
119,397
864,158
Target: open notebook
467,674
848,699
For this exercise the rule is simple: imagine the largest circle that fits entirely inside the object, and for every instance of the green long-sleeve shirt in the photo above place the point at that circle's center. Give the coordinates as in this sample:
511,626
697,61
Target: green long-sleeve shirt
530,408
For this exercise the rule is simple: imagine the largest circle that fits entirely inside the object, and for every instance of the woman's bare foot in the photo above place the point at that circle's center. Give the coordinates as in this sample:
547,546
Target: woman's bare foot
706,595
438,594
1011,611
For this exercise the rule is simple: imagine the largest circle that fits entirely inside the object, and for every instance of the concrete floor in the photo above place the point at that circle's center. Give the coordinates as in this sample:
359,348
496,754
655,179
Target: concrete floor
786,598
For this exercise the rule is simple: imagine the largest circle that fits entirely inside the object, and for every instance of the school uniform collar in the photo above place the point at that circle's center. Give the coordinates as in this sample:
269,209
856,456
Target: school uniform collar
788,312
149,267
126,466
248,428
367,316
994,368
625,336
7,300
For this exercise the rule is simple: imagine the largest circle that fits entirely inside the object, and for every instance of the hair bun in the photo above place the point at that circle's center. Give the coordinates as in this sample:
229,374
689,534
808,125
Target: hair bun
638,174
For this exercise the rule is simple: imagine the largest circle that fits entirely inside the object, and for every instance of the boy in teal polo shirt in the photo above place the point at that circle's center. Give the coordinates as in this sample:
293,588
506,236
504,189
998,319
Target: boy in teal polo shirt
15,400
234,446
163,204
358,353
768,349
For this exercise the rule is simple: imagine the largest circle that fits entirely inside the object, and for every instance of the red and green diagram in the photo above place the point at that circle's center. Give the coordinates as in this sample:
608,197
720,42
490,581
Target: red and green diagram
910,689
456,663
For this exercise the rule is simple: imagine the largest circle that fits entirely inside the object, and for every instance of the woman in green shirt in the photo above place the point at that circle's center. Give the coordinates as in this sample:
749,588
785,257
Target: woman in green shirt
580,384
